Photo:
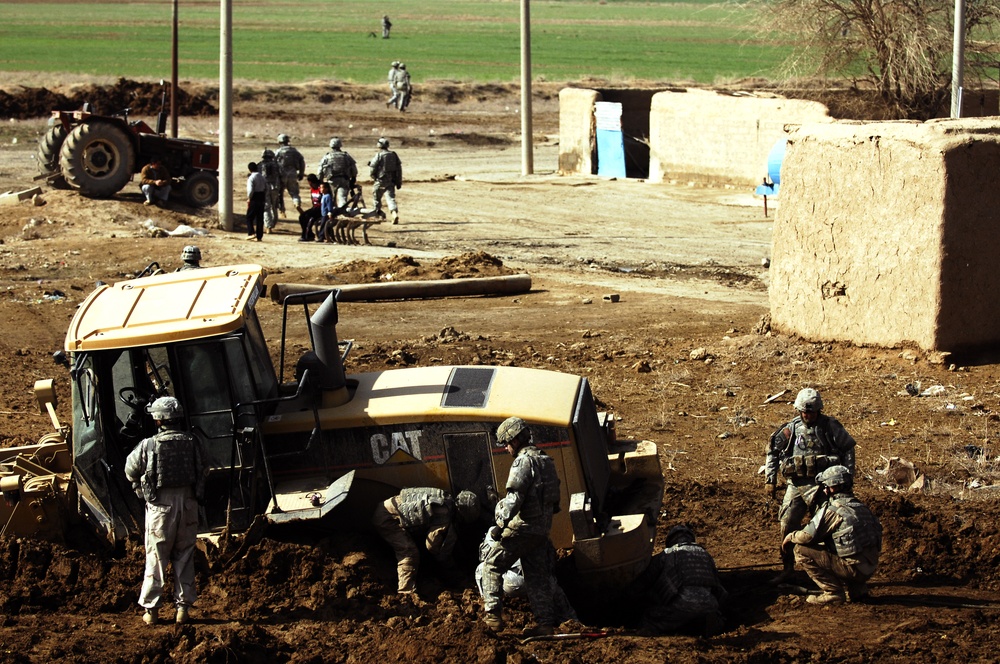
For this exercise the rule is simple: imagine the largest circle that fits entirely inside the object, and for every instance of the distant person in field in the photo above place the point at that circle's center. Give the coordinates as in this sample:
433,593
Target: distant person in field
401,84
386,26
394,94
387,176
291,168
154,180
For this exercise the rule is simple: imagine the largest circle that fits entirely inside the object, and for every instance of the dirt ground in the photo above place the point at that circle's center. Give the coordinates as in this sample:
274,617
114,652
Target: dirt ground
684,358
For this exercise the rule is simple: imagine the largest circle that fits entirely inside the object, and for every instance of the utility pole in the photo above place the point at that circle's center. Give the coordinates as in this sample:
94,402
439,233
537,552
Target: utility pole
527,156
173,75
958,59
226,114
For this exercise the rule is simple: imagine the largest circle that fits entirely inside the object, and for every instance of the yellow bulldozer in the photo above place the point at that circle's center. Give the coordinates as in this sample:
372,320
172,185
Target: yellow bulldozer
322,446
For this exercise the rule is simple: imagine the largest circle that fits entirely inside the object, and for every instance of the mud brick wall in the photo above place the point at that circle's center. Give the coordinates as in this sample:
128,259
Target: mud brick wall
889,233
577,130
725,138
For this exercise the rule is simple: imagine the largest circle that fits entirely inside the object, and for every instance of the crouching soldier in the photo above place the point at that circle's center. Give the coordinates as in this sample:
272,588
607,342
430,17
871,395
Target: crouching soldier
427,513
680,589
840,547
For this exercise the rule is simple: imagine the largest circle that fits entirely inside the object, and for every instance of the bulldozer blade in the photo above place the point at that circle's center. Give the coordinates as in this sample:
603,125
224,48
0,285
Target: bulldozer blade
308,499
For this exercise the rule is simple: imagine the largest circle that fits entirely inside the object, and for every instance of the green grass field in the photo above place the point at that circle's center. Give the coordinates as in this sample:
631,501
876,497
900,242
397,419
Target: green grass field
286,41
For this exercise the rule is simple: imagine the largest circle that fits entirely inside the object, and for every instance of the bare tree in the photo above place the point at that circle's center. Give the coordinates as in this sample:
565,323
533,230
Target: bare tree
901,48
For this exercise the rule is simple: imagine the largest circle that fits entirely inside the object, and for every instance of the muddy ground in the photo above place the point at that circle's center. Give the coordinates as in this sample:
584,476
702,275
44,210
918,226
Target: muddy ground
684,358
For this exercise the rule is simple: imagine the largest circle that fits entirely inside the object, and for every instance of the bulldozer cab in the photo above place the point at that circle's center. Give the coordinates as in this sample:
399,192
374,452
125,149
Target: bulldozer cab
168,335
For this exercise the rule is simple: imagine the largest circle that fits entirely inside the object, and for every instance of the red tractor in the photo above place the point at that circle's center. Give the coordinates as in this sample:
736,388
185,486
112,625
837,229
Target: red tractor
98,154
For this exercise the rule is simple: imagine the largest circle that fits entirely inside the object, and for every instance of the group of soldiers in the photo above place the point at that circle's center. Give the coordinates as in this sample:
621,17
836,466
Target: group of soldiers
333,192
679,591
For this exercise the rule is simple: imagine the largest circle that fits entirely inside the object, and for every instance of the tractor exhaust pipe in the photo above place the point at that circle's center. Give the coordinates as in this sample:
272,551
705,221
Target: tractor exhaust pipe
323,330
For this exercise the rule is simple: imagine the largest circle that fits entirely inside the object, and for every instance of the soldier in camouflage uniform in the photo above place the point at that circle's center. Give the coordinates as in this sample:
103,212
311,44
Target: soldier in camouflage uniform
387,175
167,471
191,255
422,513
339,169
272,173
523,520
680,589
809,444
291,167
840,547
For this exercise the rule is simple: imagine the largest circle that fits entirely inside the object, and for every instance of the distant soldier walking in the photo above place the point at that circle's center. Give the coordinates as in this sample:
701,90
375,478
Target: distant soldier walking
387,175
403,88
291,167
269,169
339,169
386,26
394,93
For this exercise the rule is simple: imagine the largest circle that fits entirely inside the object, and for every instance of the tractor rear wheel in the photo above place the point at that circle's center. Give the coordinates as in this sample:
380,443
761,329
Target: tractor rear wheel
97,158
48,155
201,189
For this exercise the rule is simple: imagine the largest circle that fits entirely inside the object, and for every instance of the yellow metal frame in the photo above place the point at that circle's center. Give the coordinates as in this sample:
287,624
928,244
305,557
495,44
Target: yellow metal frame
163,308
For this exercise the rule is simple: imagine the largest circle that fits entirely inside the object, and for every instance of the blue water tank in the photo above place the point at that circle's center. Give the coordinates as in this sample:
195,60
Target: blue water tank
774,159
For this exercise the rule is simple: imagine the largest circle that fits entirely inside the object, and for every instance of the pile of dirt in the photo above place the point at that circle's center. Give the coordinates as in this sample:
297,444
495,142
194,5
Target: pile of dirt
142,98
403,267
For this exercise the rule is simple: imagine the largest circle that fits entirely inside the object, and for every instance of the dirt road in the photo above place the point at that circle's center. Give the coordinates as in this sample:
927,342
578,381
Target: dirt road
677,359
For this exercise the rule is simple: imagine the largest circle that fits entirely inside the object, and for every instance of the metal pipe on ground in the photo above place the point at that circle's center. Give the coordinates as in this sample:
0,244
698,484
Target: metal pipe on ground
403,290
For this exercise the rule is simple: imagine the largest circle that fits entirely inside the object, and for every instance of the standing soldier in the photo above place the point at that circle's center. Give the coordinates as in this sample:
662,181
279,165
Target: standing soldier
426,513
386,26
523,520
339,169
269,169
800,449
387,174
167,471
839,549
292,168
392,83
401,84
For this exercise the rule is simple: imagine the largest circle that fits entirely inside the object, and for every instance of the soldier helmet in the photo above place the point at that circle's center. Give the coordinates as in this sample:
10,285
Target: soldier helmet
468,506
510,429
383,143
335,143
165,409
395,63
402,65
284,139
191,253
268,153
808,401
678,534
835,476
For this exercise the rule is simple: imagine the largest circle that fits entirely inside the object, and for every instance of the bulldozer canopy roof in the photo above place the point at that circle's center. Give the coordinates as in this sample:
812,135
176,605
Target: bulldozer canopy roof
177,306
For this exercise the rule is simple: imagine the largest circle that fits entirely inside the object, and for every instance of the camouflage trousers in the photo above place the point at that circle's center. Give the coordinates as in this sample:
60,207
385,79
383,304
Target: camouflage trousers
830,572
533,552
290,183
694,610
271,207
386,522
389,190
795,507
